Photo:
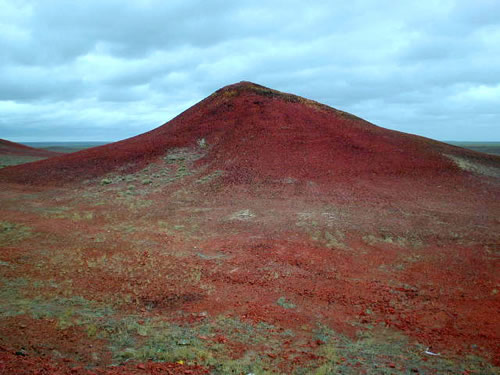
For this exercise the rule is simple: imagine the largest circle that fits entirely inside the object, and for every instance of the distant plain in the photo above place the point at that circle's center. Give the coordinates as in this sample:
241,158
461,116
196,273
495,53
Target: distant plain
68,147
486,147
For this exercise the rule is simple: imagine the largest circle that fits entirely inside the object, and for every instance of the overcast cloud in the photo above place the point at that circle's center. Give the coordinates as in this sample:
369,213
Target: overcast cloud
107,70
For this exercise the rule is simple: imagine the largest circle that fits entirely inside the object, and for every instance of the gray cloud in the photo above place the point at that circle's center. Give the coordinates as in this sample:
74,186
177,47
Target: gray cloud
105,70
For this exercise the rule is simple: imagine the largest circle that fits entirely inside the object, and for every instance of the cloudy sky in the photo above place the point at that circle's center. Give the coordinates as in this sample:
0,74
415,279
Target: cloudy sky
104,70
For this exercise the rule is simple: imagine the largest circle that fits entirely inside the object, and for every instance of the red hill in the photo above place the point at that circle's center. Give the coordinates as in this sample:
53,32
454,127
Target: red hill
257,134
12,148
257,231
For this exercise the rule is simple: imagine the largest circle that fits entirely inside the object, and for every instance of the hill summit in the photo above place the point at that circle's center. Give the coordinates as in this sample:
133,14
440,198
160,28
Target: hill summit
254,133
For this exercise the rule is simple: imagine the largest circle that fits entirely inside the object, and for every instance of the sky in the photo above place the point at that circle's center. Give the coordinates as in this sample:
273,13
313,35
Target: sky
105,70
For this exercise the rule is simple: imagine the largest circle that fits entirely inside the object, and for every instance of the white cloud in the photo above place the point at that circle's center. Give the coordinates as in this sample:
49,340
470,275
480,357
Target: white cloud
427,67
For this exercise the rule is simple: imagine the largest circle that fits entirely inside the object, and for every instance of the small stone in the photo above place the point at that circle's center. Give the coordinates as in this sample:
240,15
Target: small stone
22,352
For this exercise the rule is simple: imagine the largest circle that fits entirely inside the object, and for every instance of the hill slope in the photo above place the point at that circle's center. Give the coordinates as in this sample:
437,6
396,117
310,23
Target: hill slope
256,133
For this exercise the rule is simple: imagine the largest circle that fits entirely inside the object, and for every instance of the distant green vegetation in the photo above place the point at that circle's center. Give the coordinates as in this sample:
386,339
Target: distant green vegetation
486,147
9,160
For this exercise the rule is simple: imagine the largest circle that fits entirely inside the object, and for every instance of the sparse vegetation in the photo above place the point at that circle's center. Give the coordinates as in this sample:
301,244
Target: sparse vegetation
412,240
242,215
283,302
202,143
11,233
106,181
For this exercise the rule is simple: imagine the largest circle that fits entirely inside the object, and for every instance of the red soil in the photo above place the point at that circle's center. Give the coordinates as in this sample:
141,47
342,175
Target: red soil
19,364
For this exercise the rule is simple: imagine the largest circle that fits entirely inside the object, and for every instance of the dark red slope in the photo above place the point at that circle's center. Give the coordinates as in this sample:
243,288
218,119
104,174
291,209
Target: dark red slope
12,148
255,133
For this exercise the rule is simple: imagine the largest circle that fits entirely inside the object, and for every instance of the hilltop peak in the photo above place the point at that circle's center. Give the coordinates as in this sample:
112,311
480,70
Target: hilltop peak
247,86
242,85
